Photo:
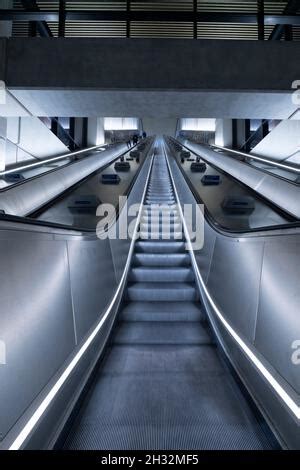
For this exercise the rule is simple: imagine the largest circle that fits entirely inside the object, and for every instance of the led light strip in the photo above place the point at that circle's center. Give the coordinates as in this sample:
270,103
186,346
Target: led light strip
31,423
50,160
289,402
294,169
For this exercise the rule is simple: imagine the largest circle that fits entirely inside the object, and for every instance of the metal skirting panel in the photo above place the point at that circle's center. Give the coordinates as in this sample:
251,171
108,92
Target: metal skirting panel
276,338
239,306
91,289
36,321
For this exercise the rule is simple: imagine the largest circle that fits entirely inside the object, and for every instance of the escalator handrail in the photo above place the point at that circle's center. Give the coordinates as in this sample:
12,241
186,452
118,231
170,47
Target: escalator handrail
46,161
74,154
277,164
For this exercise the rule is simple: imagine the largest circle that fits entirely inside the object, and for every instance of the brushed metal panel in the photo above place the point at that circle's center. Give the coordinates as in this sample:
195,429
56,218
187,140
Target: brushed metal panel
281,192
31,195
203,256
274,410
119,247
36,321
234,281
93,281
278,323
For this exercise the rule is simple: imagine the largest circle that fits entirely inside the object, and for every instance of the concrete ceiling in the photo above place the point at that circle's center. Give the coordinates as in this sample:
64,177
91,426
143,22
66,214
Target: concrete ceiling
165,104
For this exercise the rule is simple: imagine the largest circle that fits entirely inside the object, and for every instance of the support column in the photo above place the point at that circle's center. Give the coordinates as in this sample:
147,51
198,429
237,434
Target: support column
6,26
95,135
261,20
62,19
246,146
195,10
128,19
78,131
240,133
223,136
3,130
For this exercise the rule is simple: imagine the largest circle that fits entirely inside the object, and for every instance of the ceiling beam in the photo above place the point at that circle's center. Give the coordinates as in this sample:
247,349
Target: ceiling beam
291,8
41,26
168,16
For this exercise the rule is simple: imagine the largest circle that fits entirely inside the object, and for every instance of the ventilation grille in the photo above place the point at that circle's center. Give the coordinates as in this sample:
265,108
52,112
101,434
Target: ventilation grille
154,29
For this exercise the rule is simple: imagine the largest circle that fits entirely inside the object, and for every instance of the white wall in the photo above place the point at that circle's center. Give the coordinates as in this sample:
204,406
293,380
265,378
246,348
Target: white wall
197,124
154,126
282,143
24,137
36,139
27,138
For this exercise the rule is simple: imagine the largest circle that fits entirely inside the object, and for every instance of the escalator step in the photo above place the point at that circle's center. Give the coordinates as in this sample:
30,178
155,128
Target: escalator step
148,291
161,274
181,333
161,259
162,311
160,246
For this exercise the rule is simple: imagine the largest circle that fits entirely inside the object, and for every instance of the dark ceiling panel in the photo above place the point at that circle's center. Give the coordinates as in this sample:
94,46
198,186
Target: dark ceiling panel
229,28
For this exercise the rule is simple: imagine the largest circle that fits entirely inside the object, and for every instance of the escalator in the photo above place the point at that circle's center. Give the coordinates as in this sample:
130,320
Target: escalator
156,346
163,383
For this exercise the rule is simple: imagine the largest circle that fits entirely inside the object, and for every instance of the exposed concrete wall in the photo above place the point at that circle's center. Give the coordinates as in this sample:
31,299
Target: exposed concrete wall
152,64
151,103
223,135
150,77
283,143
159,126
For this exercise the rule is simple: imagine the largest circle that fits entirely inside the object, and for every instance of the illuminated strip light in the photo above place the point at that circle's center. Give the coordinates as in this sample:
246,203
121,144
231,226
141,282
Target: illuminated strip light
50,160
31,423
291,404
295,169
